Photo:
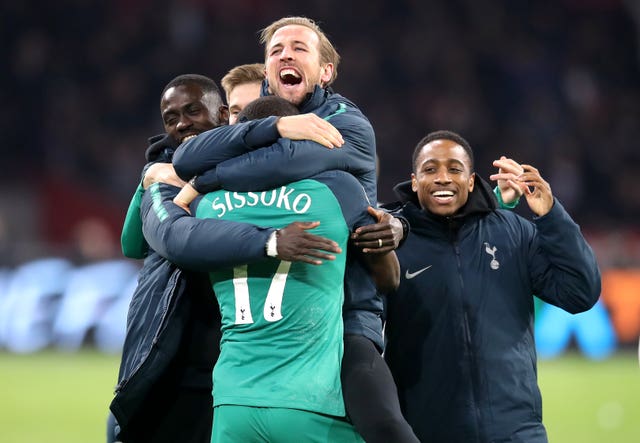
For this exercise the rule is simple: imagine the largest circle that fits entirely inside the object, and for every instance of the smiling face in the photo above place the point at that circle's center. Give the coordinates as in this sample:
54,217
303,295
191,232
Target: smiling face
293,66
442,177
187,111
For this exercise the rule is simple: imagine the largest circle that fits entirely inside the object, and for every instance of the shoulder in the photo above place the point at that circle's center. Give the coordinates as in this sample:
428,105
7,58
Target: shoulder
507,220
340,181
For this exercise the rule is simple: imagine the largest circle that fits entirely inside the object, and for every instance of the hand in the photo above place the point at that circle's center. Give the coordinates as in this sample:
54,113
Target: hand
508,172
379,238
296,244
161,173
540,198
185,197
309,127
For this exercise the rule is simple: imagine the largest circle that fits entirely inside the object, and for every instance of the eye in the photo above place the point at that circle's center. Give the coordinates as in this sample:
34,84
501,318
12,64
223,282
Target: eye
170,121
455,170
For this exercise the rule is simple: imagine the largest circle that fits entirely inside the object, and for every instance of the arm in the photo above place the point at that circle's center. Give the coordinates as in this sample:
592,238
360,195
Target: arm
564,270
212,147
290,160
206,244
216,145
376,243
384,269
131,239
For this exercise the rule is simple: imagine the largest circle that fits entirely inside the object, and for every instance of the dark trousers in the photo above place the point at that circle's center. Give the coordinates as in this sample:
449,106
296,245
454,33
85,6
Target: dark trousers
370,394
182,415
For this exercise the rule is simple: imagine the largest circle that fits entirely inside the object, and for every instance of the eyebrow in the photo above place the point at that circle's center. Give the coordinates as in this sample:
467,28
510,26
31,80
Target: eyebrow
295,42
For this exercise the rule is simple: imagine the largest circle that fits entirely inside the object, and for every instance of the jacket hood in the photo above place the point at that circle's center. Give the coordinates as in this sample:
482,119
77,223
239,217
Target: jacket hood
161,148
481,201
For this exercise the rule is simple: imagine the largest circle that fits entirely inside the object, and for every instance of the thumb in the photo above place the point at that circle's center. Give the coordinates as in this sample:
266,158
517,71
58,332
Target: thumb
375,212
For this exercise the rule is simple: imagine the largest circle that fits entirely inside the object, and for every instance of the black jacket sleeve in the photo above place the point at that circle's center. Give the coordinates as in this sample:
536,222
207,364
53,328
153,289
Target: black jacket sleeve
216,145
289,160
564,269
197,244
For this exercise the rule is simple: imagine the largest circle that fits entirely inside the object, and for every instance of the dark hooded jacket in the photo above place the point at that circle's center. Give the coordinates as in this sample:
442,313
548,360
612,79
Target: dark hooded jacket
172,326
459,328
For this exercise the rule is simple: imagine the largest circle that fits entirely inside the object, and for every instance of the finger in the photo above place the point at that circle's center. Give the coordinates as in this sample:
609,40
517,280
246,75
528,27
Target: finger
377,213
322,140
517,186
322,244
529,168
503,176
508,165
373,233
318,254
382,250
307,225
305,259
375,243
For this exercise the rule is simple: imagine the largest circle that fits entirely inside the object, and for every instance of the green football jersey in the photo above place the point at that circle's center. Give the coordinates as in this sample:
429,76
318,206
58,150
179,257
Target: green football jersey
282,329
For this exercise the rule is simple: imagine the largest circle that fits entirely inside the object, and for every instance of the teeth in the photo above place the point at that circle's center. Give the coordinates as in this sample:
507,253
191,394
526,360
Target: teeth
188,137
286,72
443,194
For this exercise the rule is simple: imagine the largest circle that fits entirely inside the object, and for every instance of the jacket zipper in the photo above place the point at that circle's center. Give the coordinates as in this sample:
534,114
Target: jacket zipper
467,340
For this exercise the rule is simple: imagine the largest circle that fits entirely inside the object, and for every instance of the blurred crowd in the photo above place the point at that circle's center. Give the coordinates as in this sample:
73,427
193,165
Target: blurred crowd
552,84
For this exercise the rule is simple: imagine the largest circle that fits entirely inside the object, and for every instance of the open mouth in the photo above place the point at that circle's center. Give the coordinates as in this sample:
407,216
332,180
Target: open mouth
289,76
443,196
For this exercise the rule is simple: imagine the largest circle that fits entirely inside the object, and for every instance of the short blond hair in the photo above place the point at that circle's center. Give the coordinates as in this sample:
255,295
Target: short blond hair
328,53
249,73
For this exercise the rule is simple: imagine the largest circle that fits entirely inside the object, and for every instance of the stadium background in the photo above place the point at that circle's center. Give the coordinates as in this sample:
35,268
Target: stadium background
554,84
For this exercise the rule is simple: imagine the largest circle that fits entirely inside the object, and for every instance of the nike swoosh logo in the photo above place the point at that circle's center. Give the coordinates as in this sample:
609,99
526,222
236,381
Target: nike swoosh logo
409,275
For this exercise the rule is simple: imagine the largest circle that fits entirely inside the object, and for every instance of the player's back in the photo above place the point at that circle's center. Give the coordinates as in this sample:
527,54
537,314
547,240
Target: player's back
282,322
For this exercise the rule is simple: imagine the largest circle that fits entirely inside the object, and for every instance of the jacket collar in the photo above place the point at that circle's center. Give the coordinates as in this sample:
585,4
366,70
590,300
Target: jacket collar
312,101
481,201
161,148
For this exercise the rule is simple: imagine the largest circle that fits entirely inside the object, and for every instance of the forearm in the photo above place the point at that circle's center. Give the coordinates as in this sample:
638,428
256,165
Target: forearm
384,269
131,239
217,145
198,244
572,278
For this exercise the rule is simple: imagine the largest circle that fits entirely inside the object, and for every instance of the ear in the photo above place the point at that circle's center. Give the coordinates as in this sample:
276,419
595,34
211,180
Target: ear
326,73
472,181
414,183
223,114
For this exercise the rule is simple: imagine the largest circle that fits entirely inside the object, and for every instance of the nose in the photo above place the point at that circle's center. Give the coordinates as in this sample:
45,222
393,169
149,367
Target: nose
443,176
183,123
286,53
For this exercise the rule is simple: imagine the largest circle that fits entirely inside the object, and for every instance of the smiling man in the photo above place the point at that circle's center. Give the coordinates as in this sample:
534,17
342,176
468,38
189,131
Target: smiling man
460,326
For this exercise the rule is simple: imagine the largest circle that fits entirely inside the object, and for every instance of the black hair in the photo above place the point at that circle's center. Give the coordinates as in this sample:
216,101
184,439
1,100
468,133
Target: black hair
207,85
442,135
267,106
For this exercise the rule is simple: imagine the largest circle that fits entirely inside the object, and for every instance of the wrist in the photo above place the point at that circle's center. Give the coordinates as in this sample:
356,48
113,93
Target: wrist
271,246
406,228
501,202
